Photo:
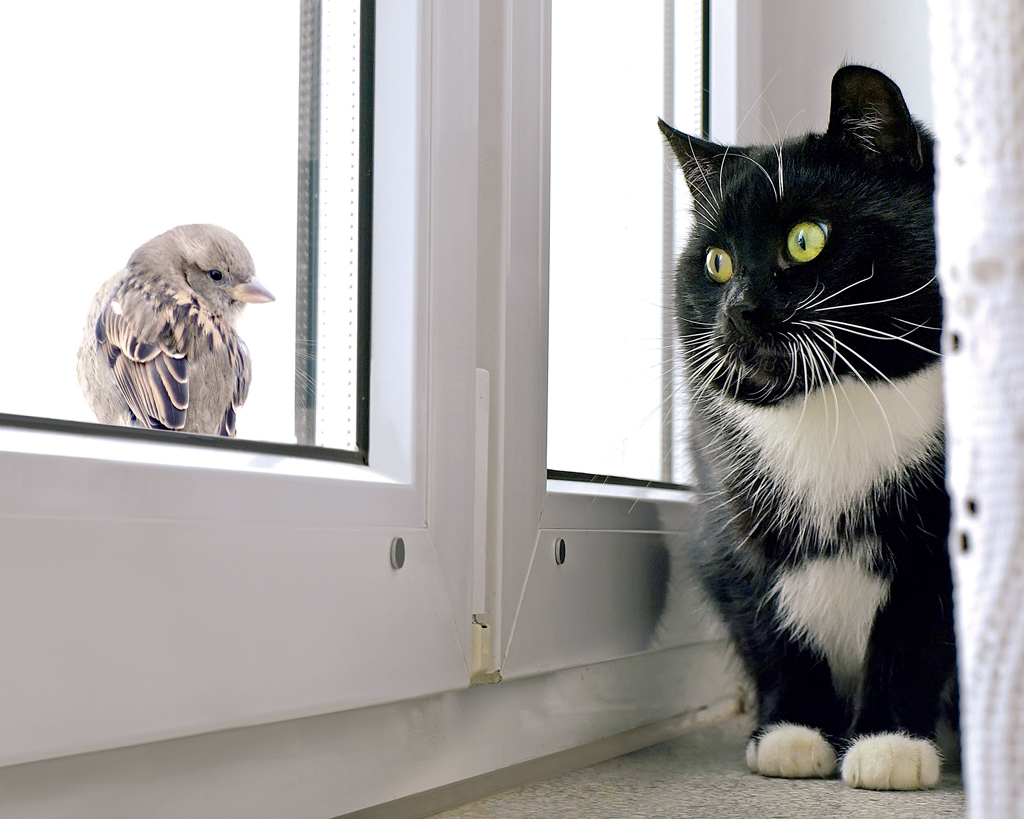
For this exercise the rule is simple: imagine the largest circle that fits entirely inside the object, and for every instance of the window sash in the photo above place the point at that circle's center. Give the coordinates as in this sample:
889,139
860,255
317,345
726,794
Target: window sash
160,591
529,511
164,590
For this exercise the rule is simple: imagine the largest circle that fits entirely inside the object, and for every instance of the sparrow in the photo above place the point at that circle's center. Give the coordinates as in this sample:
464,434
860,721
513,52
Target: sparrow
160,348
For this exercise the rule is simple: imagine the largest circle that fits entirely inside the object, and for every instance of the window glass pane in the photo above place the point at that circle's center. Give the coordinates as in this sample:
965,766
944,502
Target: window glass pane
334,189
126,119
615,232
338,267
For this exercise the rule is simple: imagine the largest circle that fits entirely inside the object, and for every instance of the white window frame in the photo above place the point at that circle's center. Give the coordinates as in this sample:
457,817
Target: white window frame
551,616
165,590
159,591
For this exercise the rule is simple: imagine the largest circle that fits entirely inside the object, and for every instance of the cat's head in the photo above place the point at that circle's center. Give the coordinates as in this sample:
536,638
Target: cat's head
813,259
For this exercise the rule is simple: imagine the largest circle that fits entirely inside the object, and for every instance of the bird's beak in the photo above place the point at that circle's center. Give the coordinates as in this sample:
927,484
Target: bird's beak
251,292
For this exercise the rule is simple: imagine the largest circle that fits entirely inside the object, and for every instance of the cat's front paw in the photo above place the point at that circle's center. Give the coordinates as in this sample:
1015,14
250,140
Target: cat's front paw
791,751
891,762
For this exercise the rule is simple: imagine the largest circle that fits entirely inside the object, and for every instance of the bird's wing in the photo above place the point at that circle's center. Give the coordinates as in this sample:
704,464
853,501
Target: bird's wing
148,360
242,365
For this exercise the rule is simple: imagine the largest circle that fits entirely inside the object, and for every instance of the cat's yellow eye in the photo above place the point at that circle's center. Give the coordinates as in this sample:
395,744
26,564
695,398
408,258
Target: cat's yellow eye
718,265
806,240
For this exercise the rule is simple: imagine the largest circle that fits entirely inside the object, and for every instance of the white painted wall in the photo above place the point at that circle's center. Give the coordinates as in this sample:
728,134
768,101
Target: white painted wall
773,60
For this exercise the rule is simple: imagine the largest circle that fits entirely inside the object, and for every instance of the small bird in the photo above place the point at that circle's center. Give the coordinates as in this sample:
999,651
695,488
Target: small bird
160,348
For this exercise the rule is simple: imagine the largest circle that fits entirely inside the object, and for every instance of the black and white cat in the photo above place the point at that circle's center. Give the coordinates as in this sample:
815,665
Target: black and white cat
810,315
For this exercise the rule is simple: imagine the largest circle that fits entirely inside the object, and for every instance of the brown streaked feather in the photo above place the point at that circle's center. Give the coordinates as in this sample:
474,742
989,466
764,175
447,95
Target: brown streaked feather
148,361
242,366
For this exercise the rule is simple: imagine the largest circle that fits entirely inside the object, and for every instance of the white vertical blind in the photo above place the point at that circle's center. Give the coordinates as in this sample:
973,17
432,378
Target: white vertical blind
978,85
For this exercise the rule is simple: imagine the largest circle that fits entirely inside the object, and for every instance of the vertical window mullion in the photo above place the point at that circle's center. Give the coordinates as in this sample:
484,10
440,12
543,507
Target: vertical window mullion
368,33
335,225
306,296
668,253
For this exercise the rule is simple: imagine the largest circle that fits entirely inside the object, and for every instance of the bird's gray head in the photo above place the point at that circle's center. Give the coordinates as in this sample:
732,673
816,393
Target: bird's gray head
211,261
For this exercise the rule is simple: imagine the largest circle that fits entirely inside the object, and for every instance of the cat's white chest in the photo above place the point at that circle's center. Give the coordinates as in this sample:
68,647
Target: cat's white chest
830,604
826,452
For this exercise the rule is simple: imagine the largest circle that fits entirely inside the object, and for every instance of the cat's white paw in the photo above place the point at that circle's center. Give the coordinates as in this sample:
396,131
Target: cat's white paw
791,751
891,762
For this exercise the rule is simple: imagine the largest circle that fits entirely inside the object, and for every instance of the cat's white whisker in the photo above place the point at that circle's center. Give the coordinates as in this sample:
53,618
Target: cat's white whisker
839,382
721,172
767,175
807,393
730,521
917,325
817,304
700,336
699,348
867,386
782,179
880,374
818,290
702,389
819,375
750,109
704,209
734,371
785,134
874,333
699,392
830,371
791,345
705,355
697,163
879,301
804,303
867,331
778,150
702,212
709,359
777,141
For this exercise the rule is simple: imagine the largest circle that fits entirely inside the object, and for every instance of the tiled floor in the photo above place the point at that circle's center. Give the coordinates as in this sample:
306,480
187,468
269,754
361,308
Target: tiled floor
703,776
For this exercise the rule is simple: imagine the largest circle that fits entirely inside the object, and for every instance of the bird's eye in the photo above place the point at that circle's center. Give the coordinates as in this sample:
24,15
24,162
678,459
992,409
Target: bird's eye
216,275
718,265
806,240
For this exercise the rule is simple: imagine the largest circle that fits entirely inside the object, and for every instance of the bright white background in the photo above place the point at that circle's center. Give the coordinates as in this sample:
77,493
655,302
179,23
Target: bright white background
121,120
608,163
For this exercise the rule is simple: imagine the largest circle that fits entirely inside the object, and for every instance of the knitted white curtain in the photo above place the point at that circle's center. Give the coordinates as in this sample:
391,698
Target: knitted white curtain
978,89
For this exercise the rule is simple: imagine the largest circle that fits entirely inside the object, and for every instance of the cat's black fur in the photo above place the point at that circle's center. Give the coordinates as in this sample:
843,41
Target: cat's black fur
798,341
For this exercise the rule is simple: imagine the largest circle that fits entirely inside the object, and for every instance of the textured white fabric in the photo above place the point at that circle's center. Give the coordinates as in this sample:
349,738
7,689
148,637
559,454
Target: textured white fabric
978,84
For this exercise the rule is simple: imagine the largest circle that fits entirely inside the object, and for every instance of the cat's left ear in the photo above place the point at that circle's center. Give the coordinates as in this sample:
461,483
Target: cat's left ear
869,114
699,160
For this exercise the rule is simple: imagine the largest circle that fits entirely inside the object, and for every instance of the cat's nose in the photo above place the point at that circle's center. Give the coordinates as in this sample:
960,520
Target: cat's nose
743,309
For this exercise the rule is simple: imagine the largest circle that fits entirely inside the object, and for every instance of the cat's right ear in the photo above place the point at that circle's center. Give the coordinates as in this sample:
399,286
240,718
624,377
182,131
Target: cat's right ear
700,160
868,114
